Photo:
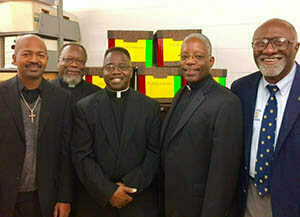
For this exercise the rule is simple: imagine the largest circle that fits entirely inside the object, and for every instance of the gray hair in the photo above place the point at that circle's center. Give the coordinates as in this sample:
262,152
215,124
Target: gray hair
201,37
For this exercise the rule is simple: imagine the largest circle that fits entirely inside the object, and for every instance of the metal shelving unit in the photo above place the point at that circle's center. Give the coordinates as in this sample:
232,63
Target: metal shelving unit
49,27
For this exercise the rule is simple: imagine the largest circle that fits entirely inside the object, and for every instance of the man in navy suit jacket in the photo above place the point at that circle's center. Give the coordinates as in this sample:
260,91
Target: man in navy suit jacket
275,45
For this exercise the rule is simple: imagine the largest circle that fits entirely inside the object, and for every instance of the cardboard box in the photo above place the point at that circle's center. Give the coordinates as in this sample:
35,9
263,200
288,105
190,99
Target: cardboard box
15,12
162,83
94,76
219,75
138,43
49,2
159,83
167,46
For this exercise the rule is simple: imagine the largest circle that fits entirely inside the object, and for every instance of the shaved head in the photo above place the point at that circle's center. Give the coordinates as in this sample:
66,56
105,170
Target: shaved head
30,57
22,39
282,22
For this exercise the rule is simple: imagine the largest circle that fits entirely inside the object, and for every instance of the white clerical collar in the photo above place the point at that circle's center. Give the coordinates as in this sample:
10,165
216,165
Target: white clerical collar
119,93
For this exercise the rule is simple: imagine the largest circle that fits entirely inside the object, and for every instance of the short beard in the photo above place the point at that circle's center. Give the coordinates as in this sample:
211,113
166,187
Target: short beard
71,80
274,70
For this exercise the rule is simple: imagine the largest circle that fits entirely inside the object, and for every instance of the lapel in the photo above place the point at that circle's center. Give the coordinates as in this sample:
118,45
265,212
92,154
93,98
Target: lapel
197,100
48,100
169,115
12,99
249,109
105,116
132,113
291,113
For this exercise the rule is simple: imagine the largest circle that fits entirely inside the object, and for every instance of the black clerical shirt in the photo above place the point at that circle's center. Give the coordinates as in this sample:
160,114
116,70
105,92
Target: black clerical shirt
185,98
118,105
30,95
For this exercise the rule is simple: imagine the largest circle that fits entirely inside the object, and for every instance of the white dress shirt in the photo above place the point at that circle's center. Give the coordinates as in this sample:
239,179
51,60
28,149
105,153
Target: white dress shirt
263,95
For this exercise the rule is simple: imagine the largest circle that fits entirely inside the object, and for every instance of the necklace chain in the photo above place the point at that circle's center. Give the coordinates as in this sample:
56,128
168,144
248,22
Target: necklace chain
32,115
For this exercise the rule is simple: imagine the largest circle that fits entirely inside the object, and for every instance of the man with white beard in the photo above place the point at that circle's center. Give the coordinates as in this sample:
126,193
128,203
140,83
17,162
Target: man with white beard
71,66
270,172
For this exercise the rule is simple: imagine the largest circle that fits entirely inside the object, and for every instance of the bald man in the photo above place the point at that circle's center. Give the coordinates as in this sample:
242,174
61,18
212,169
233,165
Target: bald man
270,175
35,128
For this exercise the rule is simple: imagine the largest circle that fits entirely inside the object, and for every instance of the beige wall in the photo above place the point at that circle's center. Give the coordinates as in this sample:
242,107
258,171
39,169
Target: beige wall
229,24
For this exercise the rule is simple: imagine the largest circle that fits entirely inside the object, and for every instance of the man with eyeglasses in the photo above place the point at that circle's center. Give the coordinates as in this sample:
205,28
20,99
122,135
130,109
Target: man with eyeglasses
71,66
115,145
202,139
270,172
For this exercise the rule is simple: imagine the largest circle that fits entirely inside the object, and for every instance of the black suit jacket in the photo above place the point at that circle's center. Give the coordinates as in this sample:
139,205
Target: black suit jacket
83,204
53,166
84,88
201,159
100,162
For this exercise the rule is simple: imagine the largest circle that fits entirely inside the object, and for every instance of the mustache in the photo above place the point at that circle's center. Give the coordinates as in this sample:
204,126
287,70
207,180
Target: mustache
272,56
33,64
194,69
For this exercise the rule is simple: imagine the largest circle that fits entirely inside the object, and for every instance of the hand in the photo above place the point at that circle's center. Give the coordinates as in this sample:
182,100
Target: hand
121,198
62,210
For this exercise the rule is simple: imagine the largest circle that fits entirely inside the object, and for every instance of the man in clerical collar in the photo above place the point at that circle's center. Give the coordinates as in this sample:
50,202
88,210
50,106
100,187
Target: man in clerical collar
115,145
201,138
117,81
35,132
71,67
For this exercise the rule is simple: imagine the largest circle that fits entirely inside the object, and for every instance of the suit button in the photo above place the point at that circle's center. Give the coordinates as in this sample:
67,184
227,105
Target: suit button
245,168
244,190
17,178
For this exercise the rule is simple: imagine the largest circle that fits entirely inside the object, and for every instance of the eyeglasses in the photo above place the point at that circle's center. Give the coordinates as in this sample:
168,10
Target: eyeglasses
70,60
196,57
121,67
277,43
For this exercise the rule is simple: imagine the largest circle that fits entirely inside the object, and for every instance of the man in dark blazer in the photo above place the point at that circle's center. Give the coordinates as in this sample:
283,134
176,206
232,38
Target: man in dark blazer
115,144
274,48
71,67
201,138
35,129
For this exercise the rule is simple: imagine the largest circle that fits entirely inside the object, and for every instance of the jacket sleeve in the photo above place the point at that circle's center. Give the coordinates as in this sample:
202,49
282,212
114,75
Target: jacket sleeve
225,160
88,170
142,176
65,176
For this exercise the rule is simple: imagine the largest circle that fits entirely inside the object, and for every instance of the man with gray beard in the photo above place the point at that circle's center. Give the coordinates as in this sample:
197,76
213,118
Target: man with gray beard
270,172
71,66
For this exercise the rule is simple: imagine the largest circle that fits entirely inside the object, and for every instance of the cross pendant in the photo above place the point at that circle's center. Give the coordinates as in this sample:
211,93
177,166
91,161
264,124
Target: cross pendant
32,116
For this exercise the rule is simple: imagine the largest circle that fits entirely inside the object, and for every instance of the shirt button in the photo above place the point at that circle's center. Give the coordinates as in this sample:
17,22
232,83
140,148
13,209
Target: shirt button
244,190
